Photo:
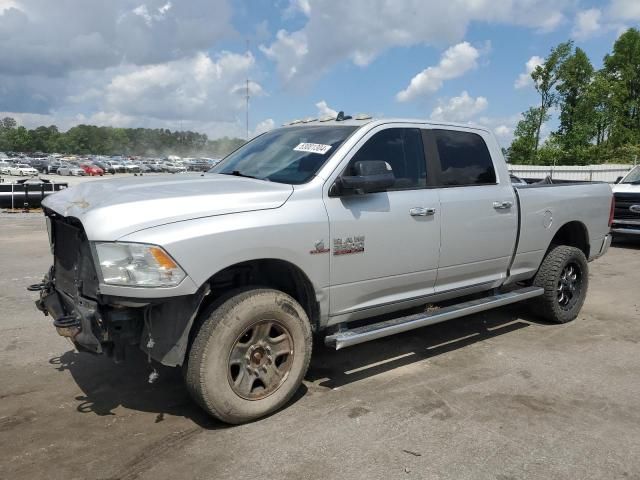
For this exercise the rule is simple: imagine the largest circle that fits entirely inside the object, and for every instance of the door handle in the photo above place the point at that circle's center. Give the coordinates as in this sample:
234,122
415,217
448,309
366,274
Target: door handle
502,205
422,212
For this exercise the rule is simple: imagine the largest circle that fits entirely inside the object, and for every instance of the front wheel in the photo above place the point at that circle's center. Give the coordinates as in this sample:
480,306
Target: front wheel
250,355
564,275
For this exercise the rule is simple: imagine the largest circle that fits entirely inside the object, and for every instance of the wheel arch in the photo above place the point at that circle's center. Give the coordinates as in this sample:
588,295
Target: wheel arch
271,273
572,234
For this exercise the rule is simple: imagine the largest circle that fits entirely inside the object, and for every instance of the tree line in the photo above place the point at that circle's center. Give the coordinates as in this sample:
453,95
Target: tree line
90,139
598,110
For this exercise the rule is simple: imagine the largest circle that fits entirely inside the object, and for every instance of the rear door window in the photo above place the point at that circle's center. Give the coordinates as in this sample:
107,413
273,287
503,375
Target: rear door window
464,159
402,149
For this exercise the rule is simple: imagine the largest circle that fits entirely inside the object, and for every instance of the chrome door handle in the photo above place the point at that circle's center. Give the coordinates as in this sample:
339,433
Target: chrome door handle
502,205
422,212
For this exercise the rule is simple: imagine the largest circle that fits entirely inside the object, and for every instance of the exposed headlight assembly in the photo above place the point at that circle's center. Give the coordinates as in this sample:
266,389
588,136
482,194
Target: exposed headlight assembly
137,265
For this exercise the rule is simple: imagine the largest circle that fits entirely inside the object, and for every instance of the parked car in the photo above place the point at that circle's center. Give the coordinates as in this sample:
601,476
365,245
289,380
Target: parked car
117,167
173,167
71,170
316,228
22,169
91,169
105,166
130,167
53,166
4,167
626,216
143,167
155,166
40,164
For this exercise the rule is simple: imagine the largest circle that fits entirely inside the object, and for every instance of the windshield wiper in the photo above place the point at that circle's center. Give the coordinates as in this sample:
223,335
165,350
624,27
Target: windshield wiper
238,173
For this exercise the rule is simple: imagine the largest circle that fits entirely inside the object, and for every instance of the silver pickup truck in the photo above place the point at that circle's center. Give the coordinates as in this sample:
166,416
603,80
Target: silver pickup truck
341,229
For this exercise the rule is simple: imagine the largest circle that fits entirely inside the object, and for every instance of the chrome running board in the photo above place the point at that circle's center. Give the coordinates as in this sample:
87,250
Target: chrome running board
347,338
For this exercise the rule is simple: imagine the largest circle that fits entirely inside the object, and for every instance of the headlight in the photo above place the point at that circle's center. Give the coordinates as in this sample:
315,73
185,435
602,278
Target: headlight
137,265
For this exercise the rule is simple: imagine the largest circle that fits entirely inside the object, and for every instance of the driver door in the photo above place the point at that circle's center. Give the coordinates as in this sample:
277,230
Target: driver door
385,246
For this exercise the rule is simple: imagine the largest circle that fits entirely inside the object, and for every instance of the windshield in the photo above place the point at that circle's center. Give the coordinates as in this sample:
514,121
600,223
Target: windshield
288,155
633,176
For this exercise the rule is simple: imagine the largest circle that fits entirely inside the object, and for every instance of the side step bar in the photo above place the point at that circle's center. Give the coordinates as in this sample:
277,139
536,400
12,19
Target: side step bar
347,338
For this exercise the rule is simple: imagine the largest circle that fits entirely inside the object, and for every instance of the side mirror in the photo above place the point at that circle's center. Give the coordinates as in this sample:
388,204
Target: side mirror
618,179
368,177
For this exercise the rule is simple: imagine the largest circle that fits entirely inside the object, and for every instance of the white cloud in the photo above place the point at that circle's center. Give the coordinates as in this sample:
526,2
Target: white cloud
502,131
292,47
197,88
587,24
54,38
524,79
455,62
360,30
324,110
459,109
7,4
502,127
625,9
264,126
198,93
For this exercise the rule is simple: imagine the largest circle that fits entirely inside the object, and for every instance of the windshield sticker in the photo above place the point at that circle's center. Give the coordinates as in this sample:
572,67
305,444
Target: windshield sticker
313,148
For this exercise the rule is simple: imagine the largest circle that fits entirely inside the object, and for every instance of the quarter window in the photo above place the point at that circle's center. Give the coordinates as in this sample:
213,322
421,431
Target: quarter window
402,149
464,159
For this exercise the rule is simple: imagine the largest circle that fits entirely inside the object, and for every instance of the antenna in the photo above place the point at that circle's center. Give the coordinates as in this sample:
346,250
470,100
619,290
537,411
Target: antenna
247,97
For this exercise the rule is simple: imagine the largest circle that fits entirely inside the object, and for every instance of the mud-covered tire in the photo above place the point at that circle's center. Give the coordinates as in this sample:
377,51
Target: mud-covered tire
563,298
230,327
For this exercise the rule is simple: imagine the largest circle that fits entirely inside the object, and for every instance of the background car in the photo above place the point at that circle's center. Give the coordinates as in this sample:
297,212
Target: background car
105,166
173,167
4,168
91,169
22,169
130,167
71,170
41,164
53,166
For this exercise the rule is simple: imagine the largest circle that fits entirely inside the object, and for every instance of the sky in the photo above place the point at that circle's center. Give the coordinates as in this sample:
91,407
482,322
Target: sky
183,64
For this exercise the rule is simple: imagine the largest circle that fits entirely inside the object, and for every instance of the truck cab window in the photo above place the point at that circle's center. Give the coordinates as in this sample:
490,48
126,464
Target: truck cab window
402,149
464,159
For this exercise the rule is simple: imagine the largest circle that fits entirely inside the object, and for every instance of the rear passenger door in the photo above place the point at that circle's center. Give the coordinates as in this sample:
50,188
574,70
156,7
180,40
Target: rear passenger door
479,221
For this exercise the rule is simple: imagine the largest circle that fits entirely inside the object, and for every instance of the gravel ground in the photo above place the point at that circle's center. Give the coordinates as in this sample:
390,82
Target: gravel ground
499,395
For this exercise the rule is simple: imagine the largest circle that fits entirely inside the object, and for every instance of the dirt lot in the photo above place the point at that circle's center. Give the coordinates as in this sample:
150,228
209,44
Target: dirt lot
493,396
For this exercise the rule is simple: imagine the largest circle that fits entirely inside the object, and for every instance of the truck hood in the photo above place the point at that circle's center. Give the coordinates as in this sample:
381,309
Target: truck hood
110,209
626,188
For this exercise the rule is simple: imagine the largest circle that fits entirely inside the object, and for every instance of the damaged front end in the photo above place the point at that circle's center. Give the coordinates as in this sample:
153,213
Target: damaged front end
98,323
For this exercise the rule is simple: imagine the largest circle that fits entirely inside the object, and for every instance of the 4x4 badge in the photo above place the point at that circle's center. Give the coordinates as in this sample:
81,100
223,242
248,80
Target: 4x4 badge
320,248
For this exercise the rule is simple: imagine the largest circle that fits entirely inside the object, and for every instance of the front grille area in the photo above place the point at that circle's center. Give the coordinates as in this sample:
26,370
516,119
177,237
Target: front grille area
623,202
73,264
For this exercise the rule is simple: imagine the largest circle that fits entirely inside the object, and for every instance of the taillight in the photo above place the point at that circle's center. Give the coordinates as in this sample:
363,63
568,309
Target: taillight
611,212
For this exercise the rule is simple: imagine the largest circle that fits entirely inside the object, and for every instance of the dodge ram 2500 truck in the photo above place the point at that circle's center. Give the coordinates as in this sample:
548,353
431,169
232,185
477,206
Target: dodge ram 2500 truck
340,228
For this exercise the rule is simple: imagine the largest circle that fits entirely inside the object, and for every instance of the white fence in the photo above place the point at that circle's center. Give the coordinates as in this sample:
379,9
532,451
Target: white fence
596,173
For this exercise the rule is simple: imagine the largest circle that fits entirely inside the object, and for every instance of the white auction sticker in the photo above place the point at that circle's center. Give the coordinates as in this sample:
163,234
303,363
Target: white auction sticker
312,148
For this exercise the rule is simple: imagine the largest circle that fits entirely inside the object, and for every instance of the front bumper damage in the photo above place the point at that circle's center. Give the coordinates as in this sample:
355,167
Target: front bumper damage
111,325
105,324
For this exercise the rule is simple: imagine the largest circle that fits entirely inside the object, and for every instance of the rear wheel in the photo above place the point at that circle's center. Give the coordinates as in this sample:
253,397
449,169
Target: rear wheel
250,355
564,275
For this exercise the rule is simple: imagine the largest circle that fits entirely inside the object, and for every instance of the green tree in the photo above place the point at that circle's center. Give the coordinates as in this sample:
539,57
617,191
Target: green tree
545,77
577,109
623,69
525,140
